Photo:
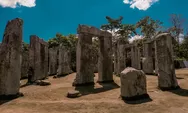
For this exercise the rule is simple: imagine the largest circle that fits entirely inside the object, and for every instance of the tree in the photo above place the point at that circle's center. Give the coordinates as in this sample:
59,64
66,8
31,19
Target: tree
112,26
126,31
112,23
148,26
69,42
177,25
177,22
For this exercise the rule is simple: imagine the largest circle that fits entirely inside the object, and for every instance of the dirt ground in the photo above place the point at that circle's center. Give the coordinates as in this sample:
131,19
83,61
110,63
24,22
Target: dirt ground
103,98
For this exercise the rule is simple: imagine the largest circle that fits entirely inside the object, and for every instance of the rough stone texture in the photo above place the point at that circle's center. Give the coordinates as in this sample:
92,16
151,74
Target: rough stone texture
10,63
148,58
83,29
105,60
84,57
115,62
24,64
133,83
53,65
135,57
84,67
73,94
42,83
64,60
165,62
121,57
38,58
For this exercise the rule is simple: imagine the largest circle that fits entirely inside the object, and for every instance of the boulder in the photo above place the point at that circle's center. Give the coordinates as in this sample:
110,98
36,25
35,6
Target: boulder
133,84
73,94
42,83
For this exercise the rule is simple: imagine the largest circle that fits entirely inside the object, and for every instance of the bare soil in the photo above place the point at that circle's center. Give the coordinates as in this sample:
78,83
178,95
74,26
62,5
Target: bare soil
102,98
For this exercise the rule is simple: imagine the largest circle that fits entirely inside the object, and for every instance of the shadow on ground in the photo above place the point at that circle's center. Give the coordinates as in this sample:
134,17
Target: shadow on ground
180,78
4,99
86,90
180,92
140,101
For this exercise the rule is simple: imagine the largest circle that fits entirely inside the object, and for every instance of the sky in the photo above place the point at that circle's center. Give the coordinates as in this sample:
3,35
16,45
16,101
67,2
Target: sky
45,18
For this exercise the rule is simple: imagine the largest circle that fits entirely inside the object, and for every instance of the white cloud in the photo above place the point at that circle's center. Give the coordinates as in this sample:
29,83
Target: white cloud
15,3
181,38
136,37
140,4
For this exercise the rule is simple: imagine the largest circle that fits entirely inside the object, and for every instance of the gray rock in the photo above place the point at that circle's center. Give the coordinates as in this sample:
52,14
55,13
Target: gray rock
85,70
53,58
148,59
10,60
165,62
133,83
38,58
64,60
73,94
135,57
42,82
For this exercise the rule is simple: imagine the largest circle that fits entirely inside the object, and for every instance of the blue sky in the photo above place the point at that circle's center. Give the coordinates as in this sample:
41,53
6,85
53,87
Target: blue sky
47,17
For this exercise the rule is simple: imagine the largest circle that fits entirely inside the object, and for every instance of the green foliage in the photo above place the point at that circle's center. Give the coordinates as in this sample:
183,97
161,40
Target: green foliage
126,31
148,26
25,46
69,42
112,23
183,49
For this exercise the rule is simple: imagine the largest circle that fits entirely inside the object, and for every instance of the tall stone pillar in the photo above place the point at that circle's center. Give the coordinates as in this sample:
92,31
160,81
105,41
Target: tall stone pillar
38,58
64,60
84,67
121,57
24,63
135,57
115,55
148,58
165,62
10,61
105,60
53,61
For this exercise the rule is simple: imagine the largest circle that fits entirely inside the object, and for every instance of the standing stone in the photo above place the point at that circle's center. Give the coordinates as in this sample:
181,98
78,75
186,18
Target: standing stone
135,57
148,58
105,59
84,67
115,57
53,65
133,84
24,63
165,62
10,64
121,57
64,60
38,57
84,57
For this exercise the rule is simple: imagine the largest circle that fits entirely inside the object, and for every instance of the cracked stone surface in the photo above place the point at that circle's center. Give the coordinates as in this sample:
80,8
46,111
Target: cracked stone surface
165,61
133,82
10,60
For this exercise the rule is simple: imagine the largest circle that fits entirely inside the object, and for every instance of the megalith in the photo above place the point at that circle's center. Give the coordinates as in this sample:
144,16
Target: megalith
147,61
10,60
105,59
38,58
121,57
53,61
133,84
165,62
24,63
64,60
135,56
84,59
